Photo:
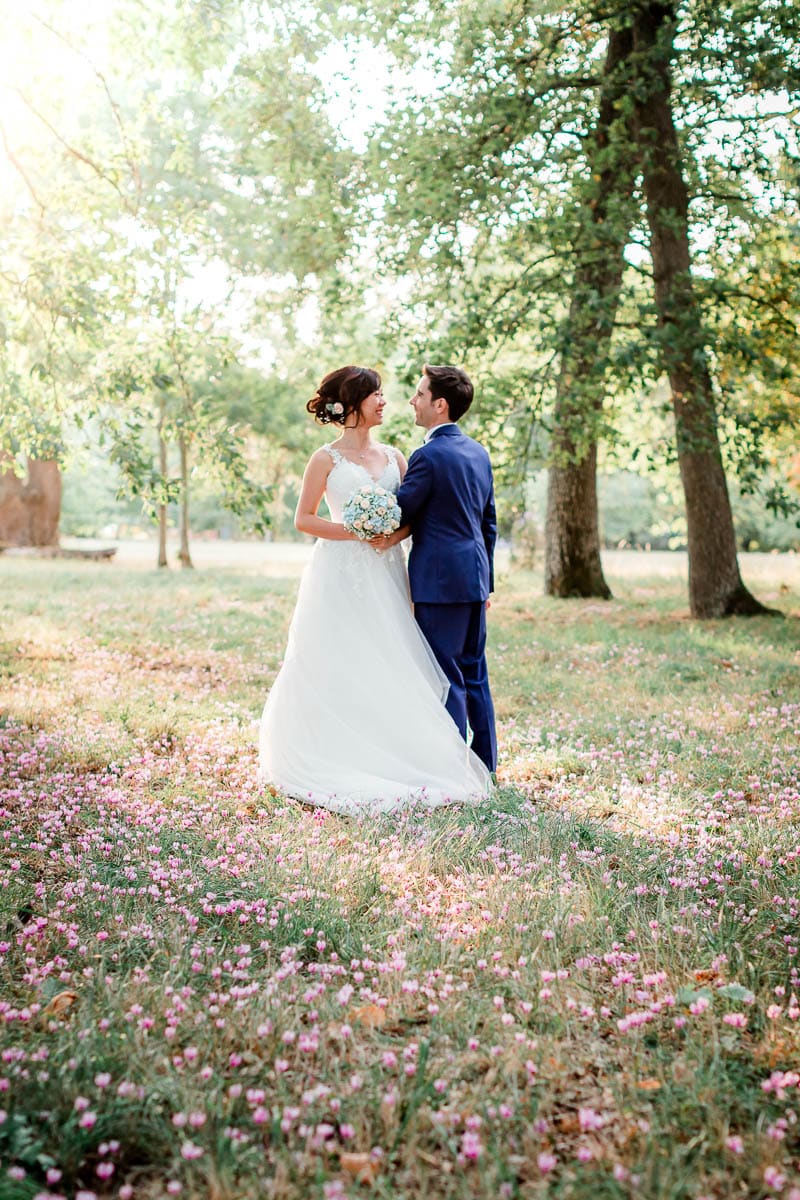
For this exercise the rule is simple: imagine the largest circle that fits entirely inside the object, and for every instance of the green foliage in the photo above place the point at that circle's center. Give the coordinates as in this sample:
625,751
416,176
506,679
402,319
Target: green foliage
487,188
188,191
186,209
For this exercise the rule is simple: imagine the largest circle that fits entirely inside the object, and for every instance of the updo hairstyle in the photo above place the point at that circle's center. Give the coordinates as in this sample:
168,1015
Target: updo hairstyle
342,393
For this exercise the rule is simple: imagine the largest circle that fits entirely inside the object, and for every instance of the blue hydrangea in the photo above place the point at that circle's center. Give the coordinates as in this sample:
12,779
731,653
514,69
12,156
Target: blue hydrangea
371,511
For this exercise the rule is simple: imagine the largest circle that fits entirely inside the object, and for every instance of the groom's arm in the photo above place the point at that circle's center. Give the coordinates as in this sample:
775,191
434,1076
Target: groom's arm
489,530
416,488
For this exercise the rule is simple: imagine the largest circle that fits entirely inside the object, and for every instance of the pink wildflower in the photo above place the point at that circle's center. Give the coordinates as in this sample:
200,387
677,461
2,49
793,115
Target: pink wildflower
589,1119
471,1147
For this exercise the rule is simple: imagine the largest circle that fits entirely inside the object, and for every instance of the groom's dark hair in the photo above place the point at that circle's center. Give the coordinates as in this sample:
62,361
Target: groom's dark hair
453,385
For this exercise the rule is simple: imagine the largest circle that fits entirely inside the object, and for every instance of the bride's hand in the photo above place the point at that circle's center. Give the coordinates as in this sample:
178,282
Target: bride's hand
387,540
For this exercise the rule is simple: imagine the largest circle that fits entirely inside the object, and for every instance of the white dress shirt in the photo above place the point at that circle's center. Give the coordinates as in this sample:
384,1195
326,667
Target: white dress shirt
432,431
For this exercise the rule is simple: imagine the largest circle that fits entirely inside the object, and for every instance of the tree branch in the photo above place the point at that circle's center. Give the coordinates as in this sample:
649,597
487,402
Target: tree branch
763,302
564,83
115,109
73,150
12,158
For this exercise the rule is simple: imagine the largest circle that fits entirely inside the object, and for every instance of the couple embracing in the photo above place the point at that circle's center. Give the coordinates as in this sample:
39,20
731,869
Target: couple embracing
371,708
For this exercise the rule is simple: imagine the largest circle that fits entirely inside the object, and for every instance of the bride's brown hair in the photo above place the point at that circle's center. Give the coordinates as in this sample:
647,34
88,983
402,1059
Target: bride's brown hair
341,393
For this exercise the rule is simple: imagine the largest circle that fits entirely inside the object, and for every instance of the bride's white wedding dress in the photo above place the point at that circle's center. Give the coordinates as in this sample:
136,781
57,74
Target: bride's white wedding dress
355,720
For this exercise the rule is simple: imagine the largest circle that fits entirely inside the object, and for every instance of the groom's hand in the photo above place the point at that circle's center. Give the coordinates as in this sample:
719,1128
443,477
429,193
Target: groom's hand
387,540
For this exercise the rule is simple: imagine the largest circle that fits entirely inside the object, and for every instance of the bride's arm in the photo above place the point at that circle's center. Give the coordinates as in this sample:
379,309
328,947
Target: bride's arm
305,517
393,539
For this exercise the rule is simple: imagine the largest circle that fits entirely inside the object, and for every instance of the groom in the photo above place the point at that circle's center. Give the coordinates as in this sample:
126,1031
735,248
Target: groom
447,499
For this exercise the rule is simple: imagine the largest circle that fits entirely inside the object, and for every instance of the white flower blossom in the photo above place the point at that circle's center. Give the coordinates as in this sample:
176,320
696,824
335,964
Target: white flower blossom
370,511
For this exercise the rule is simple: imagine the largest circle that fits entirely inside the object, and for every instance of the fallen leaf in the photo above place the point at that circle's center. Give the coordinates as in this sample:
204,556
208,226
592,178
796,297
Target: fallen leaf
649,1085
60,1005
362,1167
568,1123
371,1016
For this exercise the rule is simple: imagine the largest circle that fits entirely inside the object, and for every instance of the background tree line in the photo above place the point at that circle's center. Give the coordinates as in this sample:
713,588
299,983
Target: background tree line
592,206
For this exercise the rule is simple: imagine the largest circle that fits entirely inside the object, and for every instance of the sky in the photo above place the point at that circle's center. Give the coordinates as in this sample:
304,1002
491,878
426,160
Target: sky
358,79
35,61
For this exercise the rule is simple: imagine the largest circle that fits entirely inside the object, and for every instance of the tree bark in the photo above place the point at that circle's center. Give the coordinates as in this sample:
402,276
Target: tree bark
162,508
184,554
30,509
715,585
572,535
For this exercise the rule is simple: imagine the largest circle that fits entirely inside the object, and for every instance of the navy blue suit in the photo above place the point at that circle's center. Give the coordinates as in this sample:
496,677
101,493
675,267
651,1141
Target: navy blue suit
447,498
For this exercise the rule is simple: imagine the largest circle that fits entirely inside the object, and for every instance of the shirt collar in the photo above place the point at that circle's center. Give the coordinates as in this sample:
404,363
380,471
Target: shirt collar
435,429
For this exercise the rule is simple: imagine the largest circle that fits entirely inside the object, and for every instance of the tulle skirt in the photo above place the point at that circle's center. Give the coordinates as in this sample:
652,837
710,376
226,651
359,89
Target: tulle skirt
355,721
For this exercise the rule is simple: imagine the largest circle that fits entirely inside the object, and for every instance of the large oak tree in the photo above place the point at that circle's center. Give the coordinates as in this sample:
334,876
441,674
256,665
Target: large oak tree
535,136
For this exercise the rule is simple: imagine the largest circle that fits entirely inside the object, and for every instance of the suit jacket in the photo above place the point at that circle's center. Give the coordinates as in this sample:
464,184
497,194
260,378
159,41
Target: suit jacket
447,497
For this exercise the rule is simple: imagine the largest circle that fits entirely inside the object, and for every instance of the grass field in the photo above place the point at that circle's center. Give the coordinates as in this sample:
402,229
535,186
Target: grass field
588,988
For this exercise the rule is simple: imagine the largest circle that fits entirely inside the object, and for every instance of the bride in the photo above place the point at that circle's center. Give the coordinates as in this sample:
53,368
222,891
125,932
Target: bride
355,720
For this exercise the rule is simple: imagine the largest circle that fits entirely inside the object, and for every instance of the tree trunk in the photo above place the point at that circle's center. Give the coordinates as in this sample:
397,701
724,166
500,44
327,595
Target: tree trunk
572,536
162,508
184,555
715,585
30,509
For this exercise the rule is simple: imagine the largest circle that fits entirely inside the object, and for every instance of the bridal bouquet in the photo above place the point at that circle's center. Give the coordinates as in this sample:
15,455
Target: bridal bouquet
371,511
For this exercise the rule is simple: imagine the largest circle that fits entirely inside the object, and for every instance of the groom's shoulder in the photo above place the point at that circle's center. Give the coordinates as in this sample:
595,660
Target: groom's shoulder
474,447
456,444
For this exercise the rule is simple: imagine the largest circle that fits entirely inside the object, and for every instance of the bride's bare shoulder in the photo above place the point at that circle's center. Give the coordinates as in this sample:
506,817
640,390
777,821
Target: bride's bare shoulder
321,462
325,455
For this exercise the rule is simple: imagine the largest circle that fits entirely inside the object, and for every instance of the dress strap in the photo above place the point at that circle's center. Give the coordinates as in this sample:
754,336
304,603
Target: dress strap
334,453
390,453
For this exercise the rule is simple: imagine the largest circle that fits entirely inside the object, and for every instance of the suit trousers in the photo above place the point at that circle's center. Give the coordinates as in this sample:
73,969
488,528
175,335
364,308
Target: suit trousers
457,635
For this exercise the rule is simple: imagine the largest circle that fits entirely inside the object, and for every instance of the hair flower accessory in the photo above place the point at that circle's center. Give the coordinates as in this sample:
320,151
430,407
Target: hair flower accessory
335,408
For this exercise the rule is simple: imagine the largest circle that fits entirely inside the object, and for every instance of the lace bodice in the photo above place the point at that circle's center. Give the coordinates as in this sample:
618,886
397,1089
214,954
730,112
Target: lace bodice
347,476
